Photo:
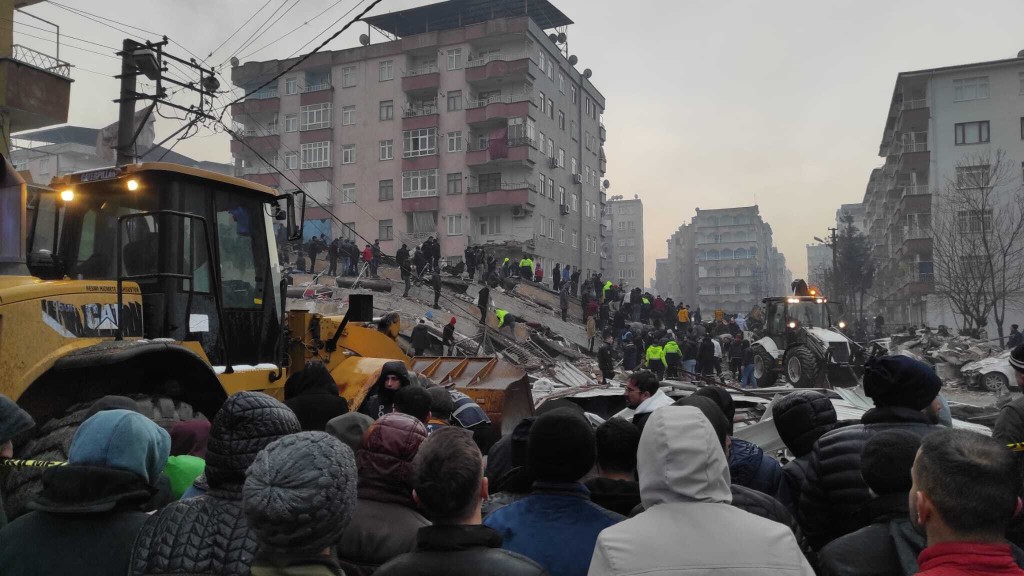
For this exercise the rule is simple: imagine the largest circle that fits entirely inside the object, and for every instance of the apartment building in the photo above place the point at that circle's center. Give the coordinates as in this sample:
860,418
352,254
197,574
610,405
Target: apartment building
854,210
625,242
725,258
819,263
473,126
660,283
937,120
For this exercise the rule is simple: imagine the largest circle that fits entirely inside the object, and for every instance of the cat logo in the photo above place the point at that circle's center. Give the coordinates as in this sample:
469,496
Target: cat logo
92,320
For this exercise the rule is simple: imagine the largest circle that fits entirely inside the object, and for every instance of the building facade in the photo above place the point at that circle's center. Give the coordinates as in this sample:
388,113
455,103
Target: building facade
473,128
854,210
938,120
819,263
625,242
725,258
660,283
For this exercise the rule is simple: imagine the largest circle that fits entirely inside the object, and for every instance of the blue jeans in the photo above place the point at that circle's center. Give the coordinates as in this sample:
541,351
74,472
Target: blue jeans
690,366
747,379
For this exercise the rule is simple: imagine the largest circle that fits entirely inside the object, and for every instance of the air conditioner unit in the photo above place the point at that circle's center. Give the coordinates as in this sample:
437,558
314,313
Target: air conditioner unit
577,178
563,208
553,162
518,212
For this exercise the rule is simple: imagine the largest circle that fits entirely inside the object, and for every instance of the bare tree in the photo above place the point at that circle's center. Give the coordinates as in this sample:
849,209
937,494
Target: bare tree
978,240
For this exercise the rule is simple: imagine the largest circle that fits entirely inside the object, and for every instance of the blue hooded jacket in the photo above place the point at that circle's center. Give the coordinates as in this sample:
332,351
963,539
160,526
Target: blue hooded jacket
749,466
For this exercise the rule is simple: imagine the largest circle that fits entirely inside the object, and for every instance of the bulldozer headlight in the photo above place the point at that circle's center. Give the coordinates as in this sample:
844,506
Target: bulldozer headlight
67,195
793,300
842,324
792,324
133,185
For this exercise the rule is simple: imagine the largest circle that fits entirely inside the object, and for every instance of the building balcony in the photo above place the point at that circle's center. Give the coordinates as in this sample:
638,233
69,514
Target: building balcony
316,94
267,179
262,144
518,150
602,133
426,201
425,78
256,105
38,89
497,109
499,66
509,194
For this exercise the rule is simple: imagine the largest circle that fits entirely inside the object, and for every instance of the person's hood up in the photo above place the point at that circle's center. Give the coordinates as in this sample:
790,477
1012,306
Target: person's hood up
385,458
13,420
313,378
190,438
245,424
658,400
349,428
394,368
121,440
680,459
801,418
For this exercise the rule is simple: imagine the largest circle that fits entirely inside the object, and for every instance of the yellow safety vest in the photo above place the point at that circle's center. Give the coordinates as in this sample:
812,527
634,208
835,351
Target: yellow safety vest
655,352
671,347
501,316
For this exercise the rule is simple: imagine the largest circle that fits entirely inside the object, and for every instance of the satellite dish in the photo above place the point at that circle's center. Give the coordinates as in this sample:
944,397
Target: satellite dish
234,62
562,37
607,184
364,39
553,37
1020,54
636,196
588,73
573,59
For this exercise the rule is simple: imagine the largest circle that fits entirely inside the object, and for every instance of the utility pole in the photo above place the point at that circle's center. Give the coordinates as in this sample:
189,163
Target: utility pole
126,111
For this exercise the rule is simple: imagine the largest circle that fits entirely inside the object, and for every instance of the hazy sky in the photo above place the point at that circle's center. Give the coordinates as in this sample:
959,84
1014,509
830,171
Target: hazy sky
711,104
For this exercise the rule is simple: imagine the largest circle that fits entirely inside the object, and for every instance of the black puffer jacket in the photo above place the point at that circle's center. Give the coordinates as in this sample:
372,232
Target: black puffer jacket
887,545
834,489
458,550
208,535
801,418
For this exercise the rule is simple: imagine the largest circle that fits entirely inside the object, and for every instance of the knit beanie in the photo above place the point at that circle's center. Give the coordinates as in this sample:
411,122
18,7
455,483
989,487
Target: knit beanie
1017,358
121,440
245,424
562,446
13,420
900,381
886,461
300,493
723,399
349,428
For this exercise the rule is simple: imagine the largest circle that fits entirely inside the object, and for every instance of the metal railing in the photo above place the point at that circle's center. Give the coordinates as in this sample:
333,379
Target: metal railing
499,98
511,143
916,233
420,110
264,94
503,186
253,132
496,56
251,170
317,87
40,60
919,189
421,70
913,104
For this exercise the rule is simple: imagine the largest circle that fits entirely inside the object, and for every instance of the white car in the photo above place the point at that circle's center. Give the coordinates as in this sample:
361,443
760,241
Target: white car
993,373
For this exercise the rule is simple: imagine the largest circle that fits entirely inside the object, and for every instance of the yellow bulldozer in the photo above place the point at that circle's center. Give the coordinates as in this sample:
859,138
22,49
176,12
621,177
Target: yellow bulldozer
162,282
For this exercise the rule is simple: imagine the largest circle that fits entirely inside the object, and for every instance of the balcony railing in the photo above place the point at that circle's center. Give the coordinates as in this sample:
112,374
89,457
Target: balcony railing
511,143
913,104
317,87
421,70
503,186
419,193
499,98
40,60
263,94
496,56
420,110
254,133
916,233
919,189
250,170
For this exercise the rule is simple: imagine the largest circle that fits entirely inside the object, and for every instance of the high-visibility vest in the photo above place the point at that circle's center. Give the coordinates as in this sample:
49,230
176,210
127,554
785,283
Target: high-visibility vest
646,301
671,347
501,316
655,352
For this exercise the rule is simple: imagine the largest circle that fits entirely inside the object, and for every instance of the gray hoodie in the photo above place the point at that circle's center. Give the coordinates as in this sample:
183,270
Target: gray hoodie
689,525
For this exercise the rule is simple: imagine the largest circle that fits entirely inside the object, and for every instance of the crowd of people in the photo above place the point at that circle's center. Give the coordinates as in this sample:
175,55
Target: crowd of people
402,486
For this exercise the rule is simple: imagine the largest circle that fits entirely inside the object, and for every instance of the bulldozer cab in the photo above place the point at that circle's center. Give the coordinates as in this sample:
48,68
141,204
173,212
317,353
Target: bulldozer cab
200,247
786,316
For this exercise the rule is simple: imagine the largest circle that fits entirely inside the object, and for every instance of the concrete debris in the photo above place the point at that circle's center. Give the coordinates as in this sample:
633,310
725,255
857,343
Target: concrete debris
952,356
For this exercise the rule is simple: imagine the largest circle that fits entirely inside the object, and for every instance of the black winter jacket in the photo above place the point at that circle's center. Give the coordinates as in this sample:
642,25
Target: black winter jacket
606,359
834,489
885,546
420,337
85,522
801,417
616,495
458,551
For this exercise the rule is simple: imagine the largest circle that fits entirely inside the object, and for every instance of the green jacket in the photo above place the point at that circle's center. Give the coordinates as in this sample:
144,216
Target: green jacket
655,353
671,347
501,316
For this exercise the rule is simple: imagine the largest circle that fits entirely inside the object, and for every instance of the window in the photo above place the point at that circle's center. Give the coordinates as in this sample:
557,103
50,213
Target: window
419,142
622,225
572,166
972,132
492,181
586,108
561,234
1020,76
561,120
348,193
561,83
551,148
348,115
586,140
543,103
575,239
315,116
561,195
575,202
386,230
455,141
631,242
419,183
348,231
455,100
291,160
455,58
572,93
455,183
387,70
542,61
455,224
551,108
387,149
490,225
551,68
541,142
974,220
972,176
387,110
561,158
573,132
622,258
291,86
348,154
551,188
632,258
348,76
315,155
586,172
291,123
970,89
386,190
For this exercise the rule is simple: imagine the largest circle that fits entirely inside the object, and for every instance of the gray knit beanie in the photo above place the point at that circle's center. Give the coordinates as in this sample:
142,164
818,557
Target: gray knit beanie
300,492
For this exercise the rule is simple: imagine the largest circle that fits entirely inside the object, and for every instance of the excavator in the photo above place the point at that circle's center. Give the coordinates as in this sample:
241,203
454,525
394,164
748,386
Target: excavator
162,282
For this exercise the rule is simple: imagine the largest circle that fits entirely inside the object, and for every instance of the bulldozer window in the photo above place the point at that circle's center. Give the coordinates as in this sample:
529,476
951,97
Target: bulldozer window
238,220
808,314
96,247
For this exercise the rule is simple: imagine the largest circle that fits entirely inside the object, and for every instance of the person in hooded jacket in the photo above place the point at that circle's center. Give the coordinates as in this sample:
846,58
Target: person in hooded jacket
904,391
380,400
88,514
420,337
629,352
801,417
386,519
313,395
448,337
644,396
563,301
688,525
706,356
208,534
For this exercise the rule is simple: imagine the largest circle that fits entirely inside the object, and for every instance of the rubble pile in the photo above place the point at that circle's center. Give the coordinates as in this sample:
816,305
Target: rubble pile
953,357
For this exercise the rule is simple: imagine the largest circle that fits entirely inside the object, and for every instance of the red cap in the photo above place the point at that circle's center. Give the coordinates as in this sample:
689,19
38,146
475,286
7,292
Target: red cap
453,320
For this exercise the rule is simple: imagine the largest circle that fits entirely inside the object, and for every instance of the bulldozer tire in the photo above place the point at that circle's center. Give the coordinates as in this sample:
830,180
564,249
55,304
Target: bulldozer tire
801,367
768,375
53,439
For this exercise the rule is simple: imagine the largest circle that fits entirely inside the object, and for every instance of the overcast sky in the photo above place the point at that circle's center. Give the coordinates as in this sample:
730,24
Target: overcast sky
711,104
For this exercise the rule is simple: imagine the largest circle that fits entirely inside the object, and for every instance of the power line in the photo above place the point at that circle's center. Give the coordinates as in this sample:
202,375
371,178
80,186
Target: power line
253,37
47,30
329,26
52,41
237,30
290,32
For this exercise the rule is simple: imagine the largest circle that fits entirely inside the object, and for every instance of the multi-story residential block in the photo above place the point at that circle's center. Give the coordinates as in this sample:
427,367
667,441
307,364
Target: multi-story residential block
854,210
625,241
471,126
725,258
660,283
819,263
938,120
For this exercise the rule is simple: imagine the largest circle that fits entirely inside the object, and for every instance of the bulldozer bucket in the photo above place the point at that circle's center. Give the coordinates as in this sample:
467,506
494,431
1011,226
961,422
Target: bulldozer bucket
842,376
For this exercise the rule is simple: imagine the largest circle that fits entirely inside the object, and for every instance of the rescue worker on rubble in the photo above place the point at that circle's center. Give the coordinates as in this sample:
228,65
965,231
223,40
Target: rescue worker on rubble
526,268
629,352
435,281
673,358
606,359
655,360
505,319
483,300
402,257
